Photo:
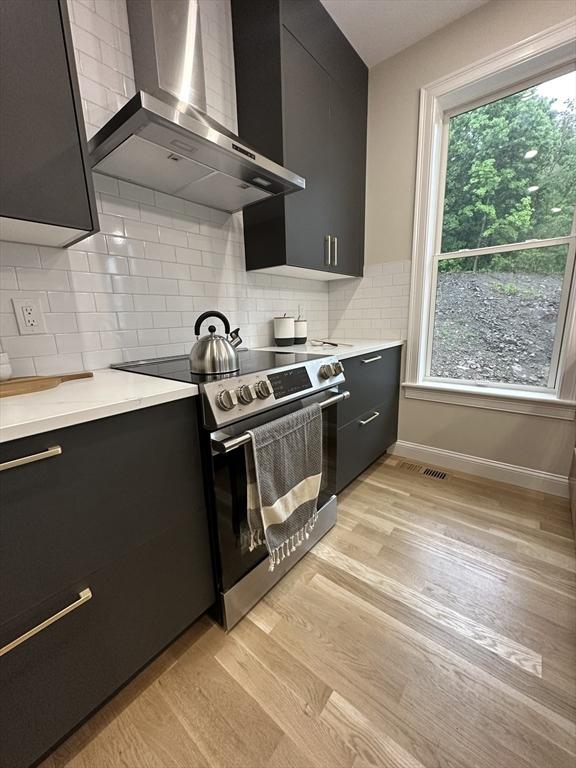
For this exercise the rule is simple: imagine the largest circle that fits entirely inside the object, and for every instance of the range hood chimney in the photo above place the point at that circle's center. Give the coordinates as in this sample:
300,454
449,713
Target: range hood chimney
162,138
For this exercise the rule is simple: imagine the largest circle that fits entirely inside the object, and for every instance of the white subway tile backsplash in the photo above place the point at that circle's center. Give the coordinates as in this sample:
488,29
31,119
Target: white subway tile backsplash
62,258
145,268
97,321
71,302
188,256
163,285
153,336
375,306
102,359
77,342
128,321
147,303
173,236
114,302
95,243
180,303
90,282
63,363
166,319
124,246
42,279
185,335
168,202
112,265
29,346
8,325
159,251
118,206
8,281
19,255
123,284
175,271
141,230
138,353
60,322
24,366
152,215
118,339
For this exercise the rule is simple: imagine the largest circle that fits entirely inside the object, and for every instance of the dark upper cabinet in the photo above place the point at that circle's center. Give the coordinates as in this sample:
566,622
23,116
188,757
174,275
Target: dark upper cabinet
302,99
46,190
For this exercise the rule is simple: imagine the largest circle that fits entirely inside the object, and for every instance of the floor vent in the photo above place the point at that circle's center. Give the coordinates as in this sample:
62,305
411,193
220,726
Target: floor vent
436,474
411,467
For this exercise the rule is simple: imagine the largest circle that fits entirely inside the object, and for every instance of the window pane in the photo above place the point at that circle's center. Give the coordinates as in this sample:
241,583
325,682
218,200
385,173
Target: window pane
496,316
511,168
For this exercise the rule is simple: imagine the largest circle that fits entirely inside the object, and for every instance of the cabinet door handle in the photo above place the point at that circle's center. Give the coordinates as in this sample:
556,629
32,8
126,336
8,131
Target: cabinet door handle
55,450
327,254
83,597
367,421
335,242
372,359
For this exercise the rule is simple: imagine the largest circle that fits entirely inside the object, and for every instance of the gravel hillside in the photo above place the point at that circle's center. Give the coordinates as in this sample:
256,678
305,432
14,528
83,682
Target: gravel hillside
495,326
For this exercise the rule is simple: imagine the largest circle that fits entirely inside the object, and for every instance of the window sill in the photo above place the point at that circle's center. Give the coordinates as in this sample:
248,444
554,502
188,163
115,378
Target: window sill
493,399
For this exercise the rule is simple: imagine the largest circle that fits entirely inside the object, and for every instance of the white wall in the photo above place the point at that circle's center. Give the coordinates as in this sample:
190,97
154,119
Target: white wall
528,441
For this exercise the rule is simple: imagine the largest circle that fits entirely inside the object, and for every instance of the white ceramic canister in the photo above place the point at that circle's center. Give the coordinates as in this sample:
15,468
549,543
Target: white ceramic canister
284,331
300,331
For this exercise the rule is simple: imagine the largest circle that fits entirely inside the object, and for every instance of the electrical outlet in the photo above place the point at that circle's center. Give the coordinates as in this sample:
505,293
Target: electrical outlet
29,316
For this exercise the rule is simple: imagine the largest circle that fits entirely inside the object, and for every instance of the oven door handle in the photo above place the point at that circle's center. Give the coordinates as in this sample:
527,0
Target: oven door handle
225,446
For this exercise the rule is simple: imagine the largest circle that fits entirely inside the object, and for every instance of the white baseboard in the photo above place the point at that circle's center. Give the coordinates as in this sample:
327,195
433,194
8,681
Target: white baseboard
532,479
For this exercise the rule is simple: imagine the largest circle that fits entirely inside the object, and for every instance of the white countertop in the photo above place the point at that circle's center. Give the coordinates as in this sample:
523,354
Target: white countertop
111,392
108,393
346,347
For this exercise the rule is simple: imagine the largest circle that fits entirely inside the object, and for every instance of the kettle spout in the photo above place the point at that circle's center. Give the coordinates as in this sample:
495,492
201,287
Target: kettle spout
235,339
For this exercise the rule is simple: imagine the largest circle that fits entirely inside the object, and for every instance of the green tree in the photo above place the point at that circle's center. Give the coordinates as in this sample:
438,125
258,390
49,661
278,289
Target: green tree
494,194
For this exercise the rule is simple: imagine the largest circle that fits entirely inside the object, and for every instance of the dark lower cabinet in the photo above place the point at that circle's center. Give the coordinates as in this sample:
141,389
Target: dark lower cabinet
368,421
124,568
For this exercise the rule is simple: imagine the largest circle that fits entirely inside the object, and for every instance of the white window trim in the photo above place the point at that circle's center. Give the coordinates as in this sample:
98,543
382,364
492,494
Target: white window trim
548,50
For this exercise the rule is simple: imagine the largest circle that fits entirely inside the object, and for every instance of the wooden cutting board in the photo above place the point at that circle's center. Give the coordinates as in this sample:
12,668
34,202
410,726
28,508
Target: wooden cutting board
26,384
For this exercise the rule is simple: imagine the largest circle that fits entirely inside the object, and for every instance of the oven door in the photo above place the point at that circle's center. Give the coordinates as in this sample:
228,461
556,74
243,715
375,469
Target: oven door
229,483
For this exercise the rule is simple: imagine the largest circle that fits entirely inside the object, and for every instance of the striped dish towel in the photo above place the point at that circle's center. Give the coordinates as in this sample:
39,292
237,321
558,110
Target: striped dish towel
284,472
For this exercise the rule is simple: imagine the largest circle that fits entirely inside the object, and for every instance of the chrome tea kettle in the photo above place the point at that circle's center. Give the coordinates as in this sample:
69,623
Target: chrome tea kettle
214,354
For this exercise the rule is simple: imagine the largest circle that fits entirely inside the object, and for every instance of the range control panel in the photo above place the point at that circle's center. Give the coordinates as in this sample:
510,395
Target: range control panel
232,399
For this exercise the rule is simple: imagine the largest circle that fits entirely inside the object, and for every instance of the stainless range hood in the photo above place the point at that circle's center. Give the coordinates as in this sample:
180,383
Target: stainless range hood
162,138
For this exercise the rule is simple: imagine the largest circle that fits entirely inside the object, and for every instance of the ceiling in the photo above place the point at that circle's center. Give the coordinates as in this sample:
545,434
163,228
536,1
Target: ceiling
380,28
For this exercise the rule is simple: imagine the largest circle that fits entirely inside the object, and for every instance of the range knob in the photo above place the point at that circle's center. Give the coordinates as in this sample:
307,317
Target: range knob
326,371
226,400
246,394
338,367
263,389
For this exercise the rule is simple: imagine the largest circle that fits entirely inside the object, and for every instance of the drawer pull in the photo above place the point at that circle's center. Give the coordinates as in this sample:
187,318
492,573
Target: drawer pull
83,597
367,421
55,450
372,359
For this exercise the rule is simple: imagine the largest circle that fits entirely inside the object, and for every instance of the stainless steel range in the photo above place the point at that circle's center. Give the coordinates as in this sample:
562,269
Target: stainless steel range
267,385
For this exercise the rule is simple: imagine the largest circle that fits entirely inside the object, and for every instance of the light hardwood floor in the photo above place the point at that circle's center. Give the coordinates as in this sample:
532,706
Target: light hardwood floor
434,626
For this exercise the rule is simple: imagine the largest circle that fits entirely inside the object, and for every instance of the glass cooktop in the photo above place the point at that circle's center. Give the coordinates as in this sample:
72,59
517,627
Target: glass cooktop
251,361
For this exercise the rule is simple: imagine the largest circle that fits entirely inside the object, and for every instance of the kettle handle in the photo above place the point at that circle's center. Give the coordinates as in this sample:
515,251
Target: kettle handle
206,315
